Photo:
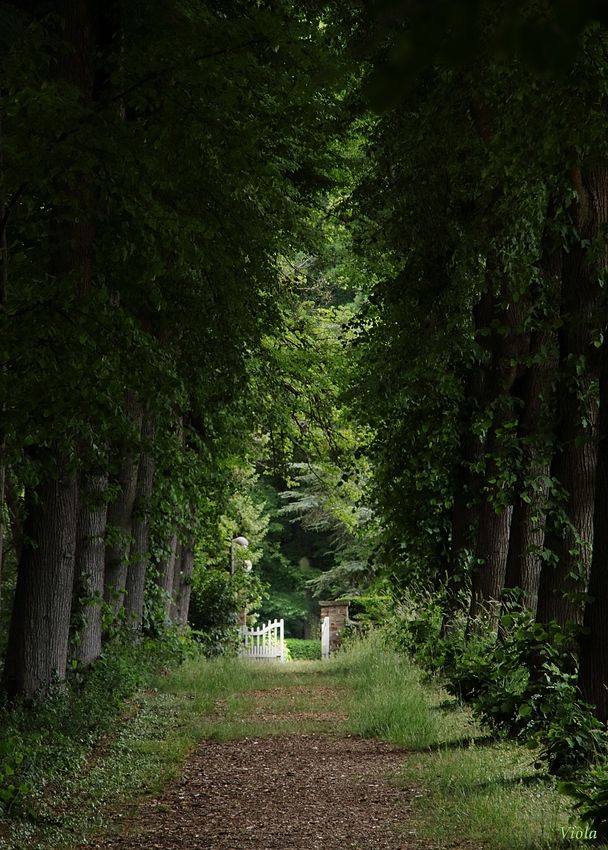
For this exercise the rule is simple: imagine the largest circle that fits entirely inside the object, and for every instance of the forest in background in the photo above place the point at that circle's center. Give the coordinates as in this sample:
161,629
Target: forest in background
331,277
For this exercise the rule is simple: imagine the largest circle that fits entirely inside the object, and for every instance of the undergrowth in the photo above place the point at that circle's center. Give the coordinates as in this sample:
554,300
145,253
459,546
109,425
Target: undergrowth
44,745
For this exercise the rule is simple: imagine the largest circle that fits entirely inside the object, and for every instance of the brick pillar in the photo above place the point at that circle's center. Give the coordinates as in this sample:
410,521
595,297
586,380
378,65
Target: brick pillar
338,615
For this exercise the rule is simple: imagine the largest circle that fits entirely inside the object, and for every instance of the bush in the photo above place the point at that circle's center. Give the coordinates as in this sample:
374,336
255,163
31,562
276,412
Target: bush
591,795
522,683
303,650
415,629
368,610
570,737
217,598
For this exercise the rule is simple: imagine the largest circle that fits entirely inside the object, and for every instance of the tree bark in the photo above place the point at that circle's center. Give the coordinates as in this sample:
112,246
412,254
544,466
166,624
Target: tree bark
15,514
529,510
507,344
140,554
182,595
166,570
2,532
593,660
563,583
120,514
89,572
535,434
176,582
37,650
166,566
466,479
3,297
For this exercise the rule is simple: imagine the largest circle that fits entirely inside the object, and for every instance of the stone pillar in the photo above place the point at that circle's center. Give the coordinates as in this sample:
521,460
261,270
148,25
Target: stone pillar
338,615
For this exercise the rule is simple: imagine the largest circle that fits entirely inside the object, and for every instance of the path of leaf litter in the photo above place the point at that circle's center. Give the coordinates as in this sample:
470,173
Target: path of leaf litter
284,792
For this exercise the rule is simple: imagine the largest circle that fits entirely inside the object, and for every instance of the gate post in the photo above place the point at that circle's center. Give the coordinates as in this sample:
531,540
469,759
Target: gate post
338,615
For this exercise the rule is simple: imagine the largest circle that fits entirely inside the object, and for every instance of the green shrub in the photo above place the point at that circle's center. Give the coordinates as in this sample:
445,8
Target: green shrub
521,683
524,684
368,610
591,795
415,629
562,725
217,597
303,650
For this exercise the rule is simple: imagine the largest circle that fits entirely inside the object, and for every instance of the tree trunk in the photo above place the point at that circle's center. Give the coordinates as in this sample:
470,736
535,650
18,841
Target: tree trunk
507,344
526,537
3,296
2,513
120,515
466,480
39,632
176,583
491,551
140,555
166,570
593,659
535,433
182,596
89,572
15,514
529,511
564,582
37,650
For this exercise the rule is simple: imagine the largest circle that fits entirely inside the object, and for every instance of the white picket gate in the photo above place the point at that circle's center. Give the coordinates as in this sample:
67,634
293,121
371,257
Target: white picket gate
325,638
266,643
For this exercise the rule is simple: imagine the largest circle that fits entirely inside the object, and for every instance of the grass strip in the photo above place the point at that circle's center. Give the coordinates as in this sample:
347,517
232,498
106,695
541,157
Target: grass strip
475,791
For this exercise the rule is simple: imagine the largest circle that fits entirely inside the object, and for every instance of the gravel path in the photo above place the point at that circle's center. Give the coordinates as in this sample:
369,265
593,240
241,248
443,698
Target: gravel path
291,792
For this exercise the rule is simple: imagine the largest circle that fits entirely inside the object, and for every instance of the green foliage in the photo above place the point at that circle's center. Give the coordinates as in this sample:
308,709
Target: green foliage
303,650
414,629
293,608
46,742
217,599
368,610
522,683
192,170
590,792
569,736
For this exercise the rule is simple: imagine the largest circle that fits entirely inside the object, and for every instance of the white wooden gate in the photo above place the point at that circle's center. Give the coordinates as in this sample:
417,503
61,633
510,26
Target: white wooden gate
325,638
266,643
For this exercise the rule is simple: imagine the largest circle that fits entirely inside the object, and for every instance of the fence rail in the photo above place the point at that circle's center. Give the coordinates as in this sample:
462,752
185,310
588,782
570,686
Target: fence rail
267,643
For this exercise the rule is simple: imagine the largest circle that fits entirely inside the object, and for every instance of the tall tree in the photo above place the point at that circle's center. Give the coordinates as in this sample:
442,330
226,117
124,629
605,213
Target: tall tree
38,639
593,660
89,566
564,577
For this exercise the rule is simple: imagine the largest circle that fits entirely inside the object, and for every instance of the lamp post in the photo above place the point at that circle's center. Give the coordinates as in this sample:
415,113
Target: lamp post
239,541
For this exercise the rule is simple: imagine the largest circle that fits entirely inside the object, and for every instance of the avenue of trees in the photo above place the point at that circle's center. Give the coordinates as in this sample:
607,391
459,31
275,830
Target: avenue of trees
339,269
482,353
159,164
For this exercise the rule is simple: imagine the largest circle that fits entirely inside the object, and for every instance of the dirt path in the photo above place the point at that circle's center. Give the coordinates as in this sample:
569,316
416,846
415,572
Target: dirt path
285,792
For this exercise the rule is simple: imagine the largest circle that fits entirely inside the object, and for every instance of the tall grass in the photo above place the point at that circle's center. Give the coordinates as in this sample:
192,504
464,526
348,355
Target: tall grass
473,790
388,699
